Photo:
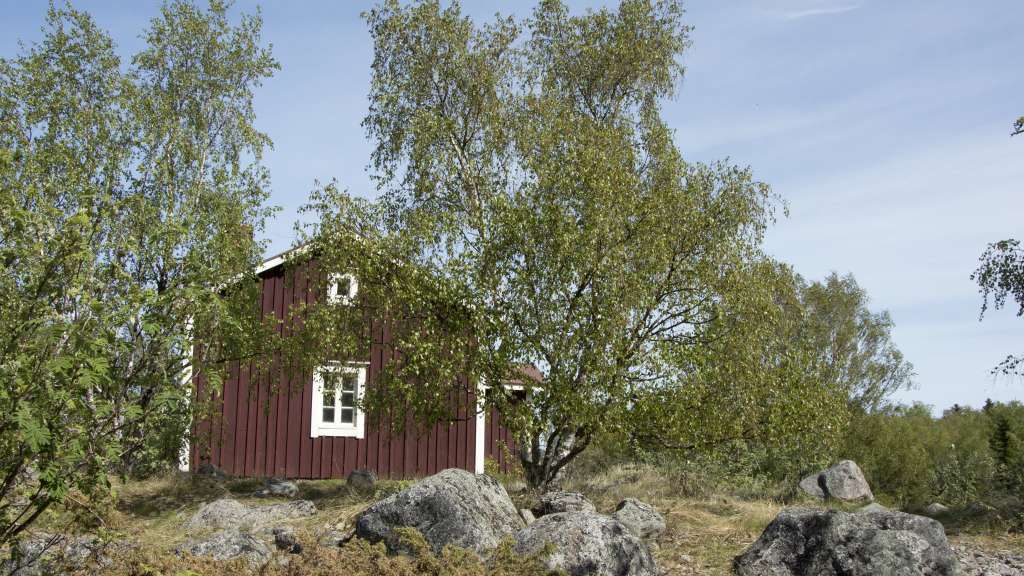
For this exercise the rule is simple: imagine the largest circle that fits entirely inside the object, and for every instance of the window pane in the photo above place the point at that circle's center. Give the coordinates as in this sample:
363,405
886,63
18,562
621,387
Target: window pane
330,381
347,415
329,395
348,384
348,400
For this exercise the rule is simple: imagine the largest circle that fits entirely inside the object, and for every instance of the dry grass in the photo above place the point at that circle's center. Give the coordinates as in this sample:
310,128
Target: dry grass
358,558
703,533
153,511
704,530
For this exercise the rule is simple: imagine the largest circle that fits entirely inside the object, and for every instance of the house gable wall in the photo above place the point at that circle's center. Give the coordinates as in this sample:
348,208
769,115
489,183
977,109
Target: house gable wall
256,431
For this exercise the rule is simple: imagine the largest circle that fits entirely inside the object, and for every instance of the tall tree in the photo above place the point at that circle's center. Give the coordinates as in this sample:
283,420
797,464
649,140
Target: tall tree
128,199
534,203
854,345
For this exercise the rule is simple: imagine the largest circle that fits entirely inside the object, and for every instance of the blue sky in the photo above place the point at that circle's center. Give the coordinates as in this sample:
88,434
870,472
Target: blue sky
884,124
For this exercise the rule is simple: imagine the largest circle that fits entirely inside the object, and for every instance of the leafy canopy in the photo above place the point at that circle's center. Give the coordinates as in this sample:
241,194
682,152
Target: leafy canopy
129,194
853,344
535,209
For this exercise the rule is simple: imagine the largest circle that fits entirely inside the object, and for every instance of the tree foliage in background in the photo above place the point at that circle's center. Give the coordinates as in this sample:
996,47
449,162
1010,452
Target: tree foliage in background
758,384
965,457
853,345
535,205
129,195
1000,276
799,348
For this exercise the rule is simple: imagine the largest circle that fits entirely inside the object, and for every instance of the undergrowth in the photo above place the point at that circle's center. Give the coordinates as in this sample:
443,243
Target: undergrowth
357,558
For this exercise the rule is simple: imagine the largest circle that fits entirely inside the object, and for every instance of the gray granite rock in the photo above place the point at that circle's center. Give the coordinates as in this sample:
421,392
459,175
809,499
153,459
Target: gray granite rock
228,544
640,518
813,542
587,543
279,487
230,513
559,501
976,562
284,539
42,554
451,507
873,507
527,516
845,481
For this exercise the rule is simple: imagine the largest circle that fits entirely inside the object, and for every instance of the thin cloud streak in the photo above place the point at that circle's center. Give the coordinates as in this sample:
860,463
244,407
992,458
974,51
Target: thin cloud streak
820,11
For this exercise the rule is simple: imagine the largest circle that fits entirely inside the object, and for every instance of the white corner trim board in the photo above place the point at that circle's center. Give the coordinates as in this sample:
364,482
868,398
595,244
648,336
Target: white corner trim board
481,430
185,456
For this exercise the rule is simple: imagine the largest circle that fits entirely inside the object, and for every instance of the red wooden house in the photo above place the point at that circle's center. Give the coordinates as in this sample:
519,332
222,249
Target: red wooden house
312,426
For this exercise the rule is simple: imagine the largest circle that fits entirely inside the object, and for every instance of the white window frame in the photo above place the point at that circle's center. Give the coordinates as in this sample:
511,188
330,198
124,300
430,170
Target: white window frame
333,297
318,428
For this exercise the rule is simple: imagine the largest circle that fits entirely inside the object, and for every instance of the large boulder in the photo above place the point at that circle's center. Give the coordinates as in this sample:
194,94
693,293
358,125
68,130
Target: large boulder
587,543
230,513
559,501
844,481
640,518
807,541
451,507
228,544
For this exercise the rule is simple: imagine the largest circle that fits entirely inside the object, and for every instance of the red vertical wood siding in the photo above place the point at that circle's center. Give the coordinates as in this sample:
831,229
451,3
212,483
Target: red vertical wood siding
499,445
260,425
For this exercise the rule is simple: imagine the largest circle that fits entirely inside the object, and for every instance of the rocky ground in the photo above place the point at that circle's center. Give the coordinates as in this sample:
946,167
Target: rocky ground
180,523
978,562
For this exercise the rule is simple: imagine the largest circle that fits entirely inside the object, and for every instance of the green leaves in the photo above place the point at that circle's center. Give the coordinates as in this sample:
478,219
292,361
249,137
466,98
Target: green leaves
535,210
853,345
1000,275
31,430
128,198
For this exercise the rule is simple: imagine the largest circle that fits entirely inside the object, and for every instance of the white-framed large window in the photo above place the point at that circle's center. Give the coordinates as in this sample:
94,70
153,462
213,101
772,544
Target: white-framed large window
337,390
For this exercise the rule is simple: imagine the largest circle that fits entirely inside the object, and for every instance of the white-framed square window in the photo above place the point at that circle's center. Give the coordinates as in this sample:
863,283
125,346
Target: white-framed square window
337,391
342,289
